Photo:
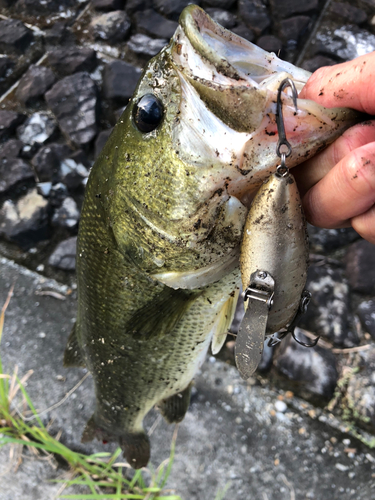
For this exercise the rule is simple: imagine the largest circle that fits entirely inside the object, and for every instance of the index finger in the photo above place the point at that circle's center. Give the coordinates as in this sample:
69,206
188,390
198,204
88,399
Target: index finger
350,84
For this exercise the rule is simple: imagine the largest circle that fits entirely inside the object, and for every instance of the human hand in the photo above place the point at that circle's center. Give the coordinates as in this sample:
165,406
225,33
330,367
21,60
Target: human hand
338,185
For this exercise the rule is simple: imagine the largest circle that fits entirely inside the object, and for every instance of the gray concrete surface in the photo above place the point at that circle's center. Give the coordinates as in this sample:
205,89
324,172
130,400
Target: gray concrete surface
235,434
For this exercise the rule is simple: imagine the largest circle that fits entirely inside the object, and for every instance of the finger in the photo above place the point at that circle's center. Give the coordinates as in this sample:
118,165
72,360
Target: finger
312,171
346,191
364,224
350,84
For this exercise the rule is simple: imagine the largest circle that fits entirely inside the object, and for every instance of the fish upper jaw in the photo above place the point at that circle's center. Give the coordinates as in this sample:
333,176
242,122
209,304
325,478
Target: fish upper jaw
227,126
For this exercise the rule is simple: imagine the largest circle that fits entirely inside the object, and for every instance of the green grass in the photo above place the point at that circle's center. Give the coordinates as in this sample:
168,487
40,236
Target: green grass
99,474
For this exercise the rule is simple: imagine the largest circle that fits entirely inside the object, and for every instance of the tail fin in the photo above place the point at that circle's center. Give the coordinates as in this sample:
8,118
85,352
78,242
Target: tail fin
135,446
136,449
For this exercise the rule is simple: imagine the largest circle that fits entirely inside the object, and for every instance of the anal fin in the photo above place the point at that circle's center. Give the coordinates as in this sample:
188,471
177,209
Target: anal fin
223,322
73,354
174,408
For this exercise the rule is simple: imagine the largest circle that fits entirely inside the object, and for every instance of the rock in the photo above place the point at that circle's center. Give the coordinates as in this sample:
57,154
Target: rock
108,4
270,43
34,83
10,149
120,80
5,63
222,4
314,368
73,173
12,171
37,129
57,194
153,24
112,27
345,42
44,188
64,255
14,36
57,34
136,5
366,313
267,358
289,8
360,266
293,28
327,240
317,62
172,8
69,60
329,312
360,392
101,140
9,121
26,221
74,100
47,161
223,17
143,45
43,7
254,15
242,30
67,215
351,14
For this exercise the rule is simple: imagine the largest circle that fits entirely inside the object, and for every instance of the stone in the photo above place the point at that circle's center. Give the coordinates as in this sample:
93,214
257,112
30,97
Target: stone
47,161
44,188
74,102
329,312
43,7
327,240
244,31
108,4
313,368
366,314
143,45
5,63
254,14
120,80
223,17
172,8
270,43
360,266
57,34
317,62
67,215
13,171
287,8
222,4
73,173
293,27
26,221
111,27
57,194
350,13
14,36
64,255
69,60
101,140
344,43
153,24
10,149
34,83
132,6
9,121
37,129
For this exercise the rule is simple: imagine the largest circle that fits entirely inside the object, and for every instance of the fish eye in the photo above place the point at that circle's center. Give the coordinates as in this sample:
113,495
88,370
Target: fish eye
148,113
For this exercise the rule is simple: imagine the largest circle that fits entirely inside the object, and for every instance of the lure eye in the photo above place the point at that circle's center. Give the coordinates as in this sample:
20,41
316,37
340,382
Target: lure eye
148,113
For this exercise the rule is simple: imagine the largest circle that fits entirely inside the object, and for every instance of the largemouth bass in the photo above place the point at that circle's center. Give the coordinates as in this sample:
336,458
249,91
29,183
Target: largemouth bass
163,217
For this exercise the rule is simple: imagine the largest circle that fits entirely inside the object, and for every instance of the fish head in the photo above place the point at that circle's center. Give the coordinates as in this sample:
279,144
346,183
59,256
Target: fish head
197,140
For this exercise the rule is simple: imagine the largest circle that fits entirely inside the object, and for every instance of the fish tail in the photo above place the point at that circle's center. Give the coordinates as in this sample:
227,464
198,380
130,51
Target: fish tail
136,449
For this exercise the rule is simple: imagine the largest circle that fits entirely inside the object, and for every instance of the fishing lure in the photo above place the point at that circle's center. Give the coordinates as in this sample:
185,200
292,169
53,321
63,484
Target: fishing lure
274,259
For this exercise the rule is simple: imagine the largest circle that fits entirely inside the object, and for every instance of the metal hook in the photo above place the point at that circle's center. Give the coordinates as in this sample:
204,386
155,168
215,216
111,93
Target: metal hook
280,120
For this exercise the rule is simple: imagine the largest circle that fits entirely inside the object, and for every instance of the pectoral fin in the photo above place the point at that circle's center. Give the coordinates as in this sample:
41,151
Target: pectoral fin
159,316
174,408
223,323
73,354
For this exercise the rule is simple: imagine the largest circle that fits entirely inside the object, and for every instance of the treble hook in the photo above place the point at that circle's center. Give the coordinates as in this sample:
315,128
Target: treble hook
305,344
280,119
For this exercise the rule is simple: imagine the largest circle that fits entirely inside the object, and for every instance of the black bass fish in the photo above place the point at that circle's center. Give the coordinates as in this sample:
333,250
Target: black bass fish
163,217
